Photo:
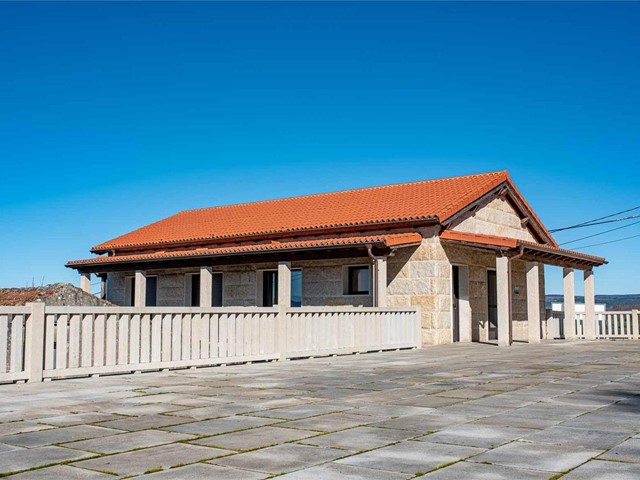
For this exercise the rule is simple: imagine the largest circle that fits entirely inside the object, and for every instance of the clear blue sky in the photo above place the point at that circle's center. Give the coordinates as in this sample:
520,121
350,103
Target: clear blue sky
113,115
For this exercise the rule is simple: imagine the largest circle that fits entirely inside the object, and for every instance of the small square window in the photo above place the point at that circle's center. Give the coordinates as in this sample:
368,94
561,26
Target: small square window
358,280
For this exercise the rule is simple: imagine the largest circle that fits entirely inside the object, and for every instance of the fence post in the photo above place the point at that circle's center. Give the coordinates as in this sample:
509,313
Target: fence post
418,326
34,343
635,323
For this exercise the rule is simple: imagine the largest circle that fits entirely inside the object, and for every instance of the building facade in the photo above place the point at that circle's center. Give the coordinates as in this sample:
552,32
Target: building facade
468,250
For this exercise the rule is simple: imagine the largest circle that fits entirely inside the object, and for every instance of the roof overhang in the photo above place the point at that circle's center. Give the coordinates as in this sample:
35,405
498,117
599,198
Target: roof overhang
223,253
547,254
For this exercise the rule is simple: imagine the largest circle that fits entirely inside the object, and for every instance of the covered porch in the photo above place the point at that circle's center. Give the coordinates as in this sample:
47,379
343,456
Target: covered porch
509,253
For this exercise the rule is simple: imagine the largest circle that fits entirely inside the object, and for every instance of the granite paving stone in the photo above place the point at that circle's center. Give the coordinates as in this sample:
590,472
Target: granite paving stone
141,461
25,459
628,451
332,422
360,438
472,435
551,458
585,437
281,458
222,425
603,470
411,457
128,441
62,472
254,438
201,471
337,471
58,435
145,422
480,471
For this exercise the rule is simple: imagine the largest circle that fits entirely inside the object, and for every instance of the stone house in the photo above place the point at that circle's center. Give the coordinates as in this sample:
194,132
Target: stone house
468,250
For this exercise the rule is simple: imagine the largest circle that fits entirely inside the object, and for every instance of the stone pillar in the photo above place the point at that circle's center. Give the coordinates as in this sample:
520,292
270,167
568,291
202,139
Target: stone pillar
284,284
569,304
284,302
589,324
464,306
85,282
140,286
503,277
380,282
533,301
206,286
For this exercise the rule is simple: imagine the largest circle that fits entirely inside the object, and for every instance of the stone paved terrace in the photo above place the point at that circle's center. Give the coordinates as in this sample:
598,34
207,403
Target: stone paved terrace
569,410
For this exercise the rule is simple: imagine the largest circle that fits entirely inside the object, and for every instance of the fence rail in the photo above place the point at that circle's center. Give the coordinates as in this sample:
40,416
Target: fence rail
59,342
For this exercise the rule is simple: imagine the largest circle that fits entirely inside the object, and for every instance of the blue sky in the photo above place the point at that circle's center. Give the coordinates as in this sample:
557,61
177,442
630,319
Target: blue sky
114,115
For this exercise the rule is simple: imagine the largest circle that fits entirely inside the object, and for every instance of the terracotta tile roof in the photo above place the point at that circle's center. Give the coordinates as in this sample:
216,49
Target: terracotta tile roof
513,243
388,240
417,201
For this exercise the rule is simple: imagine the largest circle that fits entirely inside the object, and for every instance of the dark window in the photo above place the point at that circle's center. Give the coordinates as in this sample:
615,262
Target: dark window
152,292
296,288
132,291
216,301
269,288
195,290
358,281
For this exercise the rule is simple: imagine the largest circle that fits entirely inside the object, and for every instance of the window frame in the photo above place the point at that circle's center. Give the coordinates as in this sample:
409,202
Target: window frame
347,280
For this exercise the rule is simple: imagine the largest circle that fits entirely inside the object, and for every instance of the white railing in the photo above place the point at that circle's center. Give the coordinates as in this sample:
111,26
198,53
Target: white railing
58,342
609,325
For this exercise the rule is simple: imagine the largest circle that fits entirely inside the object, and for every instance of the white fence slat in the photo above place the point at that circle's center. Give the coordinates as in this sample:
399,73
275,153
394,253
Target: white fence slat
176,337
223,335
74,341
186,337
209,334
134,339
165,355
156,338
145,338
4,342
87,340
123,339
111,340
49,342
98,340
61,342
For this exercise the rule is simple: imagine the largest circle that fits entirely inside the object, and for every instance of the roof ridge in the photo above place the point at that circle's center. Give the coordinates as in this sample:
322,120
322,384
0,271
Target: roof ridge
349,190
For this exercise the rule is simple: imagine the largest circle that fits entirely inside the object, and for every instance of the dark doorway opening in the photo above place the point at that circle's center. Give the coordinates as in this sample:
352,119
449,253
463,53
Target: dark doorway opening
492,296
456,303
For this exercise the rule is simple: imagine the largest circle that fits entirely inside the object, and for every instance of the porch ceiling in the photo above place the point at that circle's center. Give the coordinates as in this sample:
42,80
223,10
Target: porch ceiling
547,254
304,248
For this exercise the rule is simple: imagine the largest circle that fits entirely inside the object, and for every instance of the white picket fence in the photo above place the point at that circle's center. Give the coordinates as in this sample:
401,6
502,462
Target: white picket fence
609,325
58,342
621,325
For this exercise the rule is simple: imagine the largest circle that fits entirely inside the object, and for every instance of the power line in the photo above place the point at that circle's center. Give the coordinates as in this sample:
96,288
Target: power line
594,223
605,243
591,222
601,233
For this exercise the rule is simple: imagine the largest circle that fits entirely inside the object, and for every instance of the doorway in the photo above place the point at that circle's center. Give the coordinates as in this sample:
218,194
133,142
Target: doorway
456,303
492,298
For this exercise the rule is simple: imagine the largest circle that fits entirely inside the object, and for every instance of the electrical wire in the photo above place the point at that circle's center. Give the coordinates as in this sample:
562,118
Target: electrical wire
605,243
594,223
591,222
601,233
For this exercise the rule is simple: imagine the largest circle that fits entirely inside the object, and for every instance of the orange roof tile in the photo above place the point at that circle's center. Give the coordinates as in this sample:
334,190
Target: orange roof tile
388,240
512,243
417,201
